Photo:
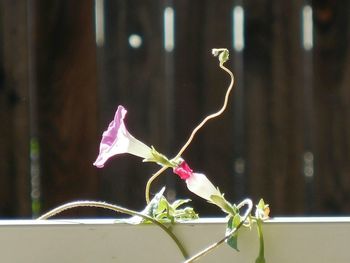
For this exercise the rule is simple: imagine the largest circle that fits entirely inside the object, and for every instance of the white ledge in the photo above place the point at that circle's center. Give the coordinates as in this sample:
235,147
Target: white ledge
208,220
287,240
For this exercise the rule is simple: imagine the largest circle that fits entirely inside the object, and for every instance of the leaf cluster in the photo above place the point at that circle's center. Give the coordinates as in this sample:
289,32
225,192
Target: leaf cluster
171,212
161,210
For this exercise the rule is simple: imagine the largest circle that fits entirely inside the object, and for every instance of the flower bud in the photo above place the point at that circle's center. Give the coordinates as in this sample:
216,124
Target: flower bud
197,183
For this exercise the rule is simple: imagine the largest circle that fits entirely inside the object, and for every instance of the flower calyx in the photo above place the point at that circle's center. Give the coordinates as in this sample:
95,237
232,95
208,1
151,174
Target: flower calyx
160,159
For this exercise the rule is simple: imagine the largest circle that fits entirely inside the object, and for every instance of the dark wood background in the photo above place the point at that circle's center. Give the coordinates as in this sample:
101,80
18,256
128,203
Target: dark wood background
288,117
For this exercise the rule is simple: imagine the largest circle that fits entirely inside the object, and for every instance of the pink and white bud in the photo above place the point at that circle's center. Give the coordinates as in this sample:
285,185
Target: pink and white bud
197,183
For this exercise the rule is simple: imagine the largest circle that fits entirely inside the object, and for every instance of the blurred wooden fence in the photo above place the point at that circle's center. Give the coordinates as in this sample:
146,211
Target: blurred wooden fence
66,65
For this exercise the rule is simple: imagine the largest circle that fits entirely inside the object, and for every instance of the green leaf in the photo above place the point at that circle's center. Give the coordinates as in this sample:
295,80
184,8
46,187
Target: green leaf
232,223
179,202
222,53
233,241
149,210
189,213
224,56
186,213
162,206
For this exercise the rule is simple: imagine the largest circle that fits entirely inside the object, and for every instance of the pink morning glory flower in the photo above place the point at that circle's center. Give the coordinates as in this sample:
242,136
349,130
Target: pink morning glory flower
197,183
117,140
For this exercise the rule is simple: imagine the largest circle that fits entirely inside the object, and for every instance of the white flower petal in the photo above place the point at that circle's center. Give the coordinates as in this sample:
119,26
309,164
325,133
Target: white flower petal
138,148
200,185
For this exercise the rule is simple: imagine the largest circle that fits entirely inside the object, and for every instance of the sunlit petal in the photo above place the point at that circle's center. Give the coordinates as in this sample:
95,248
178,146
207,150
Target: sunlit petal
117,140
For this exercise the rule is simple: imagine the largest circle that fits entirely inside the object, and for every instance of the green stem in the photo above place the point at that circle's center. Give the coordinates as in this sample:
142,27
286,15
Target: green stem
116,208
261,256
195,130
205,251
149,182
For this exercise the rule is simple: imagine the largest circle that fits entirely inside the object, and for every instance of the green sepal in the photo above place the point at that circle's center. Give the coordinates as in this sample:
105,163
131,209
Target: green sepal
160,159
221,202
261,204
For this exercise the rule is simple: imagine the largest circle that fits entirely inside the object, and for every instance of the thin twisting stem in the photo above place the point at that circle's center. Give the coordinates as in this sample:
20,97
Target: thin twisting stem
116,208
204,121
247,202
211,116
149,182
